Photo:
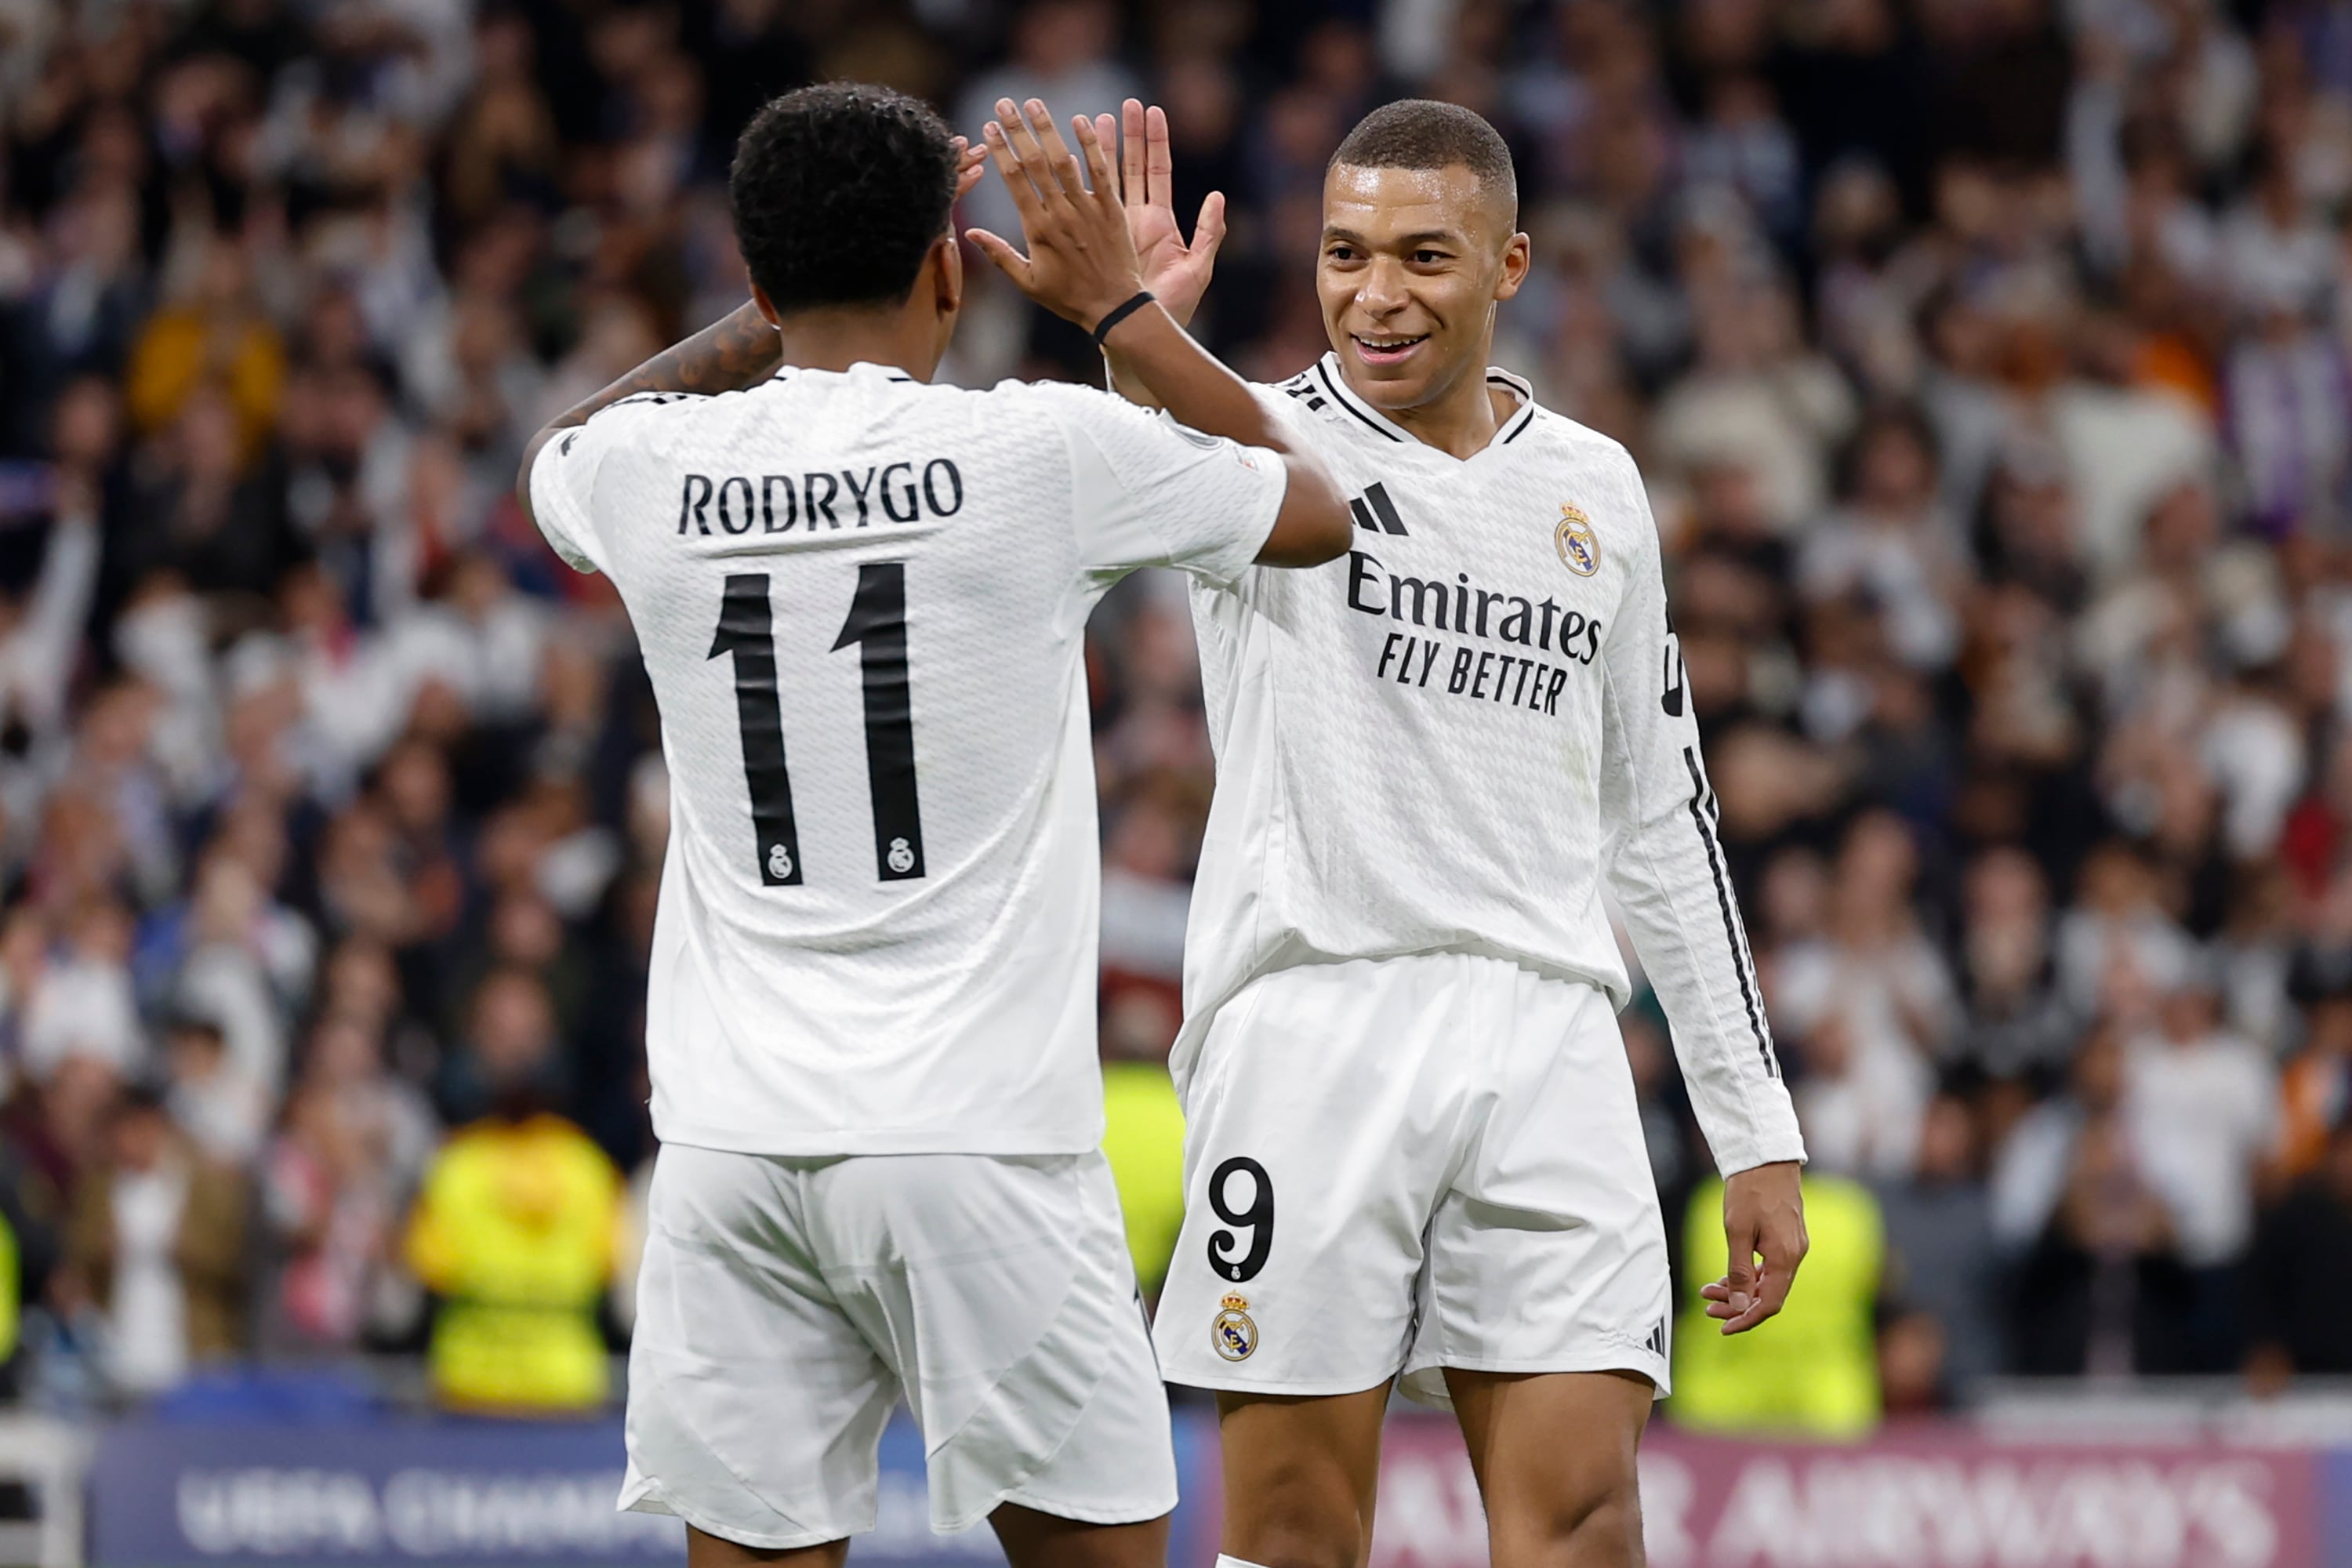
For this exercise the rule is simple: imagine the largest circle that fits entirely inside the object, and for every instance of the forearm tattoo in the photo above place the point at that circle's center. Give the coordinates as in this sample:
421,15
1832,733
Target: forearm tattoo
729,355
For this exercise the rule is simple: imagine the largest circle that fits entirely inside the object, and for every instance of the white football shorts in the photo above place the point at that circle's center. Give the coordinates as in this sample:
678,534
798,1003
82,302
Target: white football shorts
1397,1165
785,1305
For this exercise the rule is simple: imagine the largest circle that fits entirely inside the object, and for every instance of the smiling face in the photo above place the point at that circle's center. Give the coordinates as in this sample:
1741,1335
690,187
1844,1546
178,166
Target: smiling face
1413,266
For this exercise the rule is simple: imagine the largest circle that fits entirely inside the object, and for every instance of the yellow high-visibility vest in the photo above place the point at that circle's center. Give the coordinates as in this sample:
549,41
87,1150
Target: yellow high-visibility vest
1812,1370
1143,1139
12,1288
516,1230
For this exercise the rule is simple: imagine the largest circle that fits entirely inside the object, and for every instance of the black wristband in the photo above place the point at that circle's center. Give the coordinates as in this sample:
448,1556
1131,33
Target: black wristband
1102,329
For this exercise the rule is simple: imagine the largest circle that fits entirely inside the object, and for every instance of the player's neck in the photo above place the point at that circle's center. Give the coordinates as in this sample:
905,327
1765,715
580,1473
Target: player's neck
1460,422
835,340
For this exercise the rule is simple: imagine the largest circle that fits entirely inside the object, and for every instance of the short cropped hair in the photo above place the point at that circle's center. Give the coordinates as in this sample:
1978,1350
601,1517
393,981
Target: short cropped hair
838,190
1423,133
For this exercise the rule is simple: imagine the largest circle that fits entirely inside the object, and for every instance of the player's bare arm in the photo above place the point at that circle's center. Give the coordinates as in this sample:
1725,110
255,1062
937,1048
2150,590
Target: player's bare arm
1082,265
1764,1226
740,349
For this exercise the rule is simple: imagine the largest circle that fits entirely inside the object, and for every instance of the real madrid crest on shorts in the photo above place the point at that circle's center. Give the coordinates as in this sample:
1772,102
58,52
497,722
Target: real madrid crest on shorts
1578,546
1234,1331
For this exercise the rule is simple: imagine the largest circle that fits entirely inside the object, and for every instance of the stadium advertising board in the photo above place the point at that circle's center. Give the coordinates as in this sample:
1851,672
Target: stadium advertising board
393,1492
1928,1500
165,1495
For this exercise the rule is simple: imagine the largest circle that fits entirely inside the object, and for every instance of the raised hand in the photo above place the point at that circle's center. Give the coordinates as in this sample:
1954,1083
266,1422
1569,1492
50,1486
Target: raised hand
1081,263
1177,272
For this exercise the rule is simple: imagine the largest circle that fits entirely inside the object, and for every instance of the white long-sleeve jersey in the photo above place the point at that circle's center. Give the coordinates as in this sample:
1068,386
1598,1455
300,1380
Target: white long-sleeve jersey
1447,740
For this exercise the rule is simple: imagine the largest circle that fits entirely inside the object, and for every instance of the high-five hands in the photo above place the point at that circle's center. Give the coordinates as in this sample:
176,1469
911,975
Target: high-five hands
1081,263
1177,272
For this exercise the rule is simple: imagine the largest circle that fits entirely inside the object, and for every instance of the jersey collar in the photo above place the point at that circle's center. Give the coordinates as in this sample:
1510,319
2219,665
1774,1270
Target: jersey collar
1326,371
1516,425
862,367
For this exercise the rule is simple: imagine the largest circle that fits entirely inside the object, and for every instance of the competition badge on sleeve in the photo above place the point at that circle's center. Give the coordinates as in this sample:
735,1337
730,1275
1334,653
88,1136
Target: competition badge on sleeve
1578,546
1236,1331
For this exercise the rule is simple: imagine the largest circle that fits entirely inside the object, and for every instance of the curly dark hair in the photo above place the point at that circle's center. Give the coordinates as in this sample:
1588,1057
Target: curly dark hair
838,190
1423,133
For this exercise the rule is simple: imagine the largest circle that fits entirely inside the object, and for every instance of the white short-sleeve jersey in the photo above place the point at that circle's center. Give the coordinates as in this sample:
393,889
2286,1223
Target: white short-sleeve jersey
1451,739
862,601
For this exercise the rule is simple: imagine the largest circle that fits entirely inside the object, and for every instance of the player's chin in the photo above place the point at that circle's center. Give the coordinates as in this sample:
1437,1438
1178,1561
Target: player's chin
1395,376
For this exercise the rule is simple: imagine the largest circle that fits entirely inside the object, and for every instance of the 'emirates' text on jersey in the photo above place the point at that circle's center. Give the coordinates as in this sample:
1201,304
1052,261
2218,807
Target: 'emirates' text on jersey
1445,741
862,602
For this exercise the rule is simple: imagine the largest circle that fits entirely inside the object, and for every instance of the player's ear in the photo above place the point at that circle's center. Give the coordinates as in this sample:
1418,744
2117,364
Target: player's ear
767,307
946,268
1519,254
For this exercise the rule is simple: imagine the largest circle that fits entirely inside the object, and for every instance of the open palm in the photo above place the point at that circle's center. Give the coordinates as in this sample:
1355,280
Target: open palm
1176,271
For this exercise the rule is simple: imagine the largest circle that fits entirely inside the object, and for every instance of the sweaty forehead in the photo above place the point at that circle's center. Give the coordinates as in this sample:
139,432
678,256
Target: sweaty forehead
1378,203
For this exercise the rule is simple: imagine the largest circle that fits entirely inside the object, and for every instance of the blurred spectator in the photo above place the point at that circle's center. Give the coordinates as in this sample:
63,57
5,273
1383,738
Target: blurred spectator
157,1239
1872,999
2099,1284
2302,1268
509,1039
2029,1173
2015,1025
83,1004
2289,393
224,1108
2204,1107
1890,542
2315,1089
1941,1262
215,336
1758,399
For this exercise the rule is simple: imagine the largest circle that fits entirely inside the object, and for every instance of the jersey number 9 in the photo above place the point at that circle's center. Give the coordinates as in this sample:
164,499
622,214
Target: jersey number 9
1257,1219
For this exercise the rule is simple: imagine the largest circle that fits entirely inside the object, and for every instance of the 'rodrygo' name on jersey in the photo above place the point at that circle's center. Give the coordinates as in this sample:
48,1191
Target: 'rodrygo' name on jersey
820,500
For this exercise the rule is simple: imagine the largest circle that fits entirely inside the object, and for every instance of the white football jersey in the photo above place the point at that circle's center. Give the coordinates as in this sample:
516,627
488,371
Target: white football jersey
863,603
1447,740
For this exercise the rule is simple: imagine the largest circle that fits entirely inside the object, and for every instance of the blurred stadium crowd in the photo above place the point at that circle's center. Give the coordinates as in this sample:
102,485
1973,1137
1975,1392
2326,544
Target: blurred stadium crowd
1988,360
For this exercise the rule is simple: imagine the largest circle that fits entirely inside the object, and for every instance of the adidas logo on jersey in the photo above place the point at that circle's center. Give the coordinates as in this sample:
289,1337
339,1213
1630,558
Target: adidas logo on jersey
1374,513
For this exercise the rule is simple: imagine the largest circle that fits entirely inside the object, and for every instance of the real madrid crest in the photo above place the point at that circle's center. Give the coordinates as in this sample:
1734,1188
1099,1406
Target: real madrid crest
1234,1331
1578,546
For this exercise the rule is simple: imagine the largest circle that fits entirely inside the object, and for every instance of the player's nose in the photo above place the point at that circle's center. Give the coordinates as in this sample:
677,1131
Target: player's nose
1384,291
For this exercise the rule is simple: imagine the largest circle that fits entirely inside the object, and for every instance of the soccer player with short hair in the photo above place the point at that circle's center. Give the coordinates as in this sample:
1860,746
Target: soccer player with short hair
1412,1151
861,599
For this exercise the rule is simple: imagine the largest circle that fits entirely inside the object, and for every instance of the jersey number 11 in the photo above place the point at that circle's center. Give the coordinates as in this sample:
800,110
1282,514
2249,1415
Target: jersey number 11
877,624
